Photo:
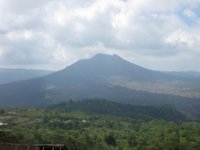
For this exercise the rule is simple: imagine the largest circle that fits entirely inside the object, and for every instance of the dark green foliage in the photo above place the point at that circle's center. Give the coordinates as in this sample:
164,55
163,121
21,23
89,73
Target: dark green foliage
81,131
103,107
110,140
2,111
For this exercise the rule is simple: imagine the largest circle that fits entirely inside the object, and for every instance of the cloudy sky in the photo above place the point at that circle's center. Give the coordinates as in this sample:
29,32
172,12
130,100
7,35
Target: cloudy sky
51,34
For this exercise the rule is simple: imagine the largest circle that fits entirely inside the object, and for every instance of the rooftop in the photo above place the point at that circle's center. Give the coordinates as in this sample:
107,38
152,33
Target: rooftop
6,146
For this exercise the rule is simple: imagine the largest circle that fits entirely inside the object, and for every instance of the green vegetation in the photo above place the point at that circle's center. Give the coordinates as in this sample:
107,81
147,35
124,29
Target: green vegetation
89,130
103,107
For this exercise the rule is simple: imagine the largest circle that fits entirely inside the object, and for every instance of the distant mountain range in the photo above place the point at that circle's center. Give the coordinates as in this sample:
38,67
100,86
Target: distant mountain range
12,75
107,77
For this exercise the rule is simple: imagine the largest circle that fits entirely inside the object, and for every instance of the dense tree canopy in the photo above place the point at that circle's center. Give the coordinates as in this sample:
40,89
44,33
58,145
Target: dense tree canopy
91,131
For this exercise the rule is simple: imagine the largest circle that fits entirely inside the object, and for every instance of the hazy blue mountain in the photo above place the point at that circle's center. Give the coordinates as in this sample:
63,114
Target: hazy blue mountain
105,77
190,75
102,66
12,75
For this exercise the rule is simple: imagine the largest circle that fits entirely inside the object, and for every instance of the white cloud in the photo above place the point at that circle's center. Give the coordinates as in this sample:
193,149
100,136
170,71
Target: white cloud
56,33
180,37
19,35
189,13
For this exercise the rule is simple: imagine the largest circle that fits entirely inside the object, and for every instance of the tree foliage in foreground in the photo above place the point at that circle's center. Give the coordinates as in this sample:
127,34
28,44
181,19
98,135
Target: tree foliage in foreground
92,131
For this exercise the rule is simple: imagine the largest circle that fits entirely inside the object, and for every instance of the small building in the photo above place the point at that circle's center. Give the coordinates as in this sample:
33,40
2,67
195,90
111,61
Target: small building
12,113
4,146
84,121
67,121
3,124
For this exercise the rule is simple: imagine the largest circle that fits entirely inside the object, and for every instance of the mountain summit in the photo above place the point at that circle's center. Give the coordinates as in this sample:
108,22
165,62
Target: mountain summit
104,66
105,77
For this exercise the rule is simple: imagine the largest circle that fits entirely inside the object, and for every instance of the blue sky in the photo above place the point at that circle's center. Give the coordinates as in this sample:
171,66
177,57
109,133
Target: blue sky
189,14
51,34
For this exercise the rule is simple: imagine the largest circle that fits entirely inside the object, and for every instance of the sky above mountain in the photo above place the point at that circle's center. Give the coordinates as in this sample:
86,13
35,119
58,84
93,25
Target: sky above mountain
51,34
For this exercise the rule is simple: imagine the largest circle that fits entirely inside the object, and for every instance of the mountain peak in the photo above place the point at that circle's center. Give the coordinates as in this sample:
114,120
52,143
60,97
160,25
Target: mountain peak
106,66
102,55
105,55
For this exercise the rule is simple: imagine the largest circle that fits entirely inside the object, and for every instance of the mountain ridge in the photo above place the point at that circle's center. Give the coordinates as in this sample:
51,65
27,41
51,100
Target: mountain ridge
101,77
8,75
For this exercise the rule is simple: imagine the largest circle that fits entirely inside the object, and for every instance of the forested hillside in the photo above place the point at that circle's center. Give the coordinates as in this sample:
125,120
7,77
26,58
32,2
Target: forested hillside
91,131
104,107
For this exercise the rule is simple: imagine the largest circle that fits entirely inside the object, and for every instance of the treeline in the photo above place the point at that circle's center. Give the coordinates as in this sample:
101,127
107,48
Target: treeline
81,131
101,125
104,107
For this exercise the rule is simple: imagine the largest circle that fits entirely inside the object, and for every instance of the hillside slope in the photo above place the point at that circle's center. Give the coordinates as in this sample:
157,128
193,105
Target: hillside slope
98,77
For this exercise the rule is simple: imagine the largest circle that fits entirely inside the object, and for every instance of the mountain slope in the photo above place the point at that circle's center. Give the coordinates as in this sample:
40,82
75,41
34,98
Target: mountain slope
115,71
98,77
102,66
